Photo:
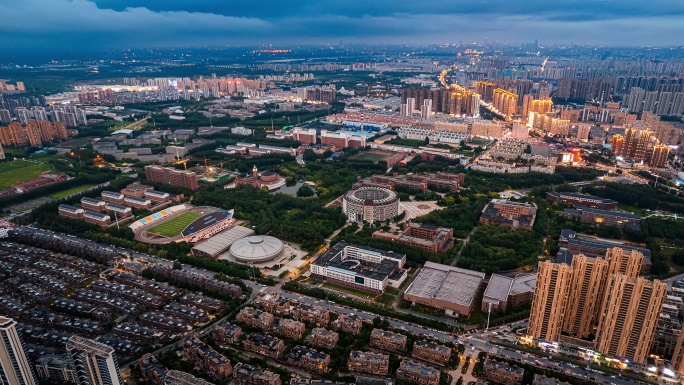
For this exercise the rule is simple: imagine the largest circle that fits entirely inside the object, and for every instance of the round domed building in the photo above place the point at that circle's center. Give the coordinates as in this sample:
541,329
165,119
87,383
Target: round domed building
370,204
256,249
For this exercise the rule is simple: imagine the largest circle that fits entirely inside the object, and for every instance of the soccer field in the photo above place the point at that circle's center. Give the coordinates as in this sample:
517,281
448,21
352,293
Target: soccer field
173,227
371,156
19,171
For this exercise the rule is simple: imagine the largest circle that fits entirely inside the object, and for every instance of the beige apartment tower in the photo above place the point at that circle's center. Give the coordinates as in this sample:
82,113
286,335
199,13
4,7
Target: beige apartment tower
549,301
627,262
629,317
585,295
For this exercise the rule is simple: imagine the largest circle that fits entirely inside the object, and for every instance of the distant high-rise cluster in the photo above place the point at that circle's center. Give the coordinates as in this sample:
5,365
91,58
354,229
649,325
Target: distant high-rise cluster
455,100
601,300
35,133
8,88
325,94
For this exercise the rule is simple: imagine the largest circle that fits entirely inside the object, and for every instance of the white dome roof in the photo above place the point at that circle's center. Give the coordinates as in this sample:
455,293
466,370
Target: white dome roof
256,249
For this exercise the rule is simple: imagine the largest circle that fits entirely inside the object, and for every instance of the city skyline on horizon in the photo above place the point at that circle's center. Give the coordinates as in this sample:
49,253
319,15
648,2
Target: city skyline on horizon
97,25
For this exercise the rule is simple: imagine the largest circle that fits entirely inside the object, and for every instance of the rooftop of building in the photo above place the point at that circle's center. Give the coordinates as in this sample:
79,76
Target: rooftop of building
448,283
432,345
498,287
332,259
223,240
608,213
579,196
577,239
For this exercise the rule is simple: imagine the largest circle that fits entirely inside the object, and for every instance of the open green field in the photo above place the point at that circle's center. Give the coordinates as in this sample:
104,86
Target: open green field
73,190
20,171
371,156
173,227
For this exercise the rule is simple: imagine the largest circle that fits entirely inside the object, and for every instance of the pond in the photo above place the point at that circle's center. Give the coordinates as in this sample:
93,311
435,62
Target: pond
290,188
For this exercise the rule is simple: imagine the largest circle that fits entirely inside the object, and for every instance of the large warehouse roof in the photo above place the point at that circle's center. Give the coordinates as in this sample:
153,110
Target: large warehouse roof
220,242
446,283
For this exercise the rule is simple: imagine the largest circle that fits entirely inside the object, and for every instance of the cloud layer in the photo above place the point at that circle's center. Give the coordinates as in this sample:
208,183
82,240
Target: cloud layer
54,25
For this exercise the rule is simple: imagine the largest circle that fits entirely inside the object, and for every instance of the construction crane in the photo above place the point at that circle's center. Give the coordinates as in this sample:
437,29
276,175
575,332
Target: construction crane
185,162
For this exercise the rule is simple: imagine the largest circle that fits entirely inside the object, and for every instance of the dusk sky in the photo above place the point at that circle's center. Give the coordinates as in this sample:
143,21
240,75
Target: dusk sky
92,25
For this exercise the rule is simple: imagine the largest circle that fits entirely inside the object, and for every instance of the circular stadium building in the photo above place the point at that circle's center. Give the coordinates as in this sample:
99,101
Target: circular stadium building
370,204
256,249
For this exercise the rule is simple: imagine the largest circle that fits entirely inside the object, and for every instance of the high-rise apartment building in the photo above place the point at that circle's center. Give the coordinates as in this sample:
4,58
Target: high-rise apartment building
659,156
629,316
506,102
627,262
549,301
94,362
570,299
13,362
585,296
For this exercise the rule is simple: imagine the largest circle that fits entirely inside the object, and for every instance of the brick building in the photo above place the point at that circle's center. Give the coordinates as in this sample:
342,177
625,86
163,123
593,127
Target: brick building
289,328
417,373
256,318
348,323
431,352
244,374
431,238
227,333
206,358
367,362
309,359
389,341
265,345
322,338
502,373
515,215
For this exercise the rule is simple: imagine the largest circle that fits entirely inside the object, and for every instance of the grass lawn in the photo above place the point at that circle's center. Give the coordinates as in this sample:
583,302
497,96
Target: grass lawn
19,171
371,156
67,192
173,227
348,290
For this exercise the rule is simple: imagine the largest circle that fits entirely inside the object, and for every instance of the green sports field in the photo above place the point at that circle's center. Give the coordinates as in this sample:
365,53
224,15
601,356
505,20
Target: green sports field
173,227
371,156
20,171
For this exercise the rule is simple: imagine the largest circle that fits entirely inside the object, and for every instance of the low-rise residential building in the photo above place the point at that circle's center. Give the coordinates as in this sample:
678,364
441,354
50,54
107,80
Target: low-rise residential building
348,323
289,328
389,341
417,373
431,352
540,379
502,373
309,359
274,303
322,338
153,372
206,358
312,314
265,345
176,377
367,362
256,318
227,333
244,374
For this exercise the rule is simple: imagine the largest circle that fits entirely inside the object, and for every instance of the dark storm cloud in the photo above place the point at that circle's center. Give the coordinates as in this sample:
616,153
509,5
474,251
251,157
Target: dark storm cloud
98,24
